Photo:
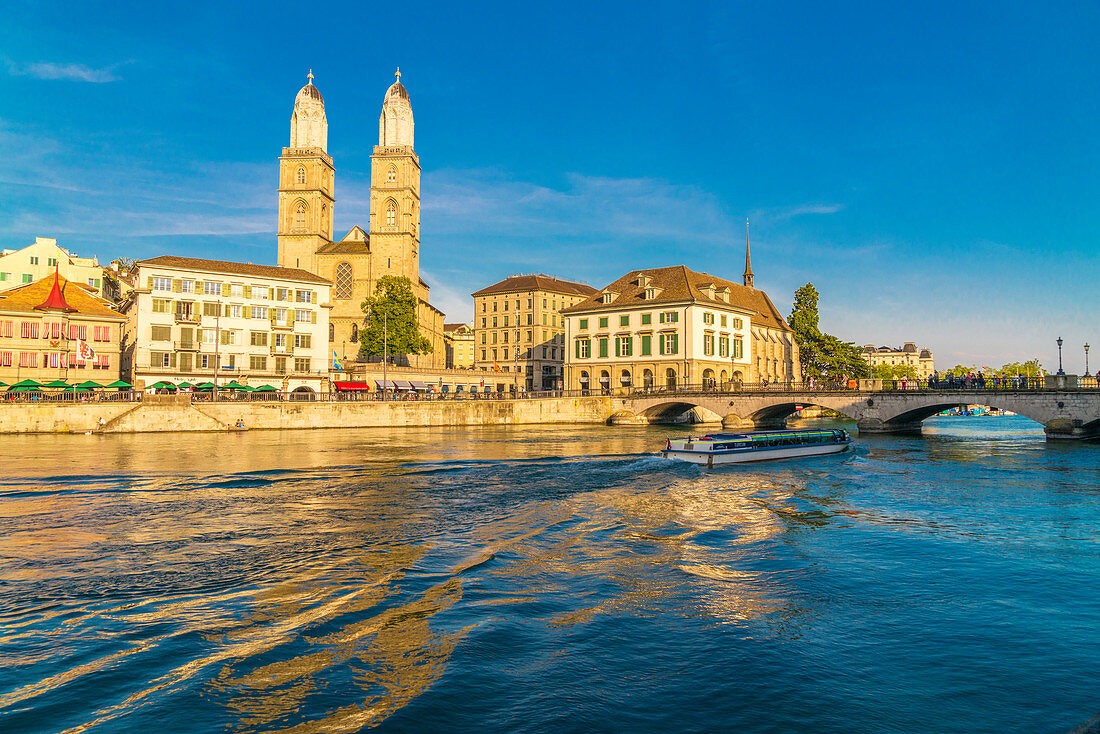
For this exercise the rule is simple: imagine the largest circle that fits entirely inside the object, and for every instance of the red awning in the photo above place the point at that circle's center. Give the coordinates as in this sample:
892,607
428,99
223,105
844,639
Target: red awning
342,386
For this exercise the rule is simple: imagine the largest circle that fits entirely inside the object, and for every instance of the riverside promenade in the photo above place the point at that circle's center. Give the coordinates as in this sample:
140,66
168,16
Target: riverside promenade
1065,409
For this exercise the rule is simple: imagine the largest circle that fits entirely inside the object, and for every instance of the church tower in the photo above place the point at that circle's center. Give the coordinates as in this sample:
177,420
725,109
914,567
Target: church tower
306,180
395,191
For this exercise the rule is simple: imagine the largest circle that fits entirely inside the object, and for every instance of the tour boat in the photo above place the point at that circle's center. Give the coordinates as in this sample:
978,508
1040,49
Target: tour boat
736,448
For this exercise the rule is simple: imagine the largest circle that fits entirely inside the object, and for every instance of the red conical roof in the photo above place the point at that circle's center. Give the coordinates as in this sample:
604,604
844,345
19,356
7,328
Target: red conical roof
56,300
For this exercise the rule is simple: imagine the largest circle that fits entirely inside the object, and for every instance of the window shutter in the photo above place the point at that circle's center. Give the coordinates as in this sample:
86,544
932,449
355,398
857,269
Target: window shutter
149,282
577,348
675,343
225,337
246,312
272,312
172,359
630,346
313,317
661,319
177,286
248,291
618,347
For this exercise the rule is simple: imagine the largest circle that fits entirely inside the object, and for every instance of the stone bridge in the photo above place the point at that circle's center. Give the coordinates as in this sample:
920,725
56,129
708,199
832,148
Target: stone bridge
1063,413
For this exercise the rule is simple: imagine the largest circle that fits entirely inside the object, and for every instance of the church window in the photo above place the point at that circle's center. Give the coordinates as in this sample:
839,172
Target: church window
343,282
300,217
355,332
391,175
301,177
391,214
332,332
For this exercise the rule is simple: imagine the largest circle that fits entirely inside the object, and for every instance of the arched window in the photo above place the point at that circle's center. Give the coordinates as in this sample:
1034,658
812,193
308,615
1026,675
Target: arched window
391,175
301,176
332,332
300,217
355,332
670,377
342,282
391,214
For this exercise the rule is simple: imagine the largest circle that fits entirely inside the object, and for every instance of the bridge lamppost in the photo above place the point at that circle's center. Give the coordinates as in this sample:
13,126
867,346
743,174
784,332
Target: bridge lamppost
1060,370
1086,359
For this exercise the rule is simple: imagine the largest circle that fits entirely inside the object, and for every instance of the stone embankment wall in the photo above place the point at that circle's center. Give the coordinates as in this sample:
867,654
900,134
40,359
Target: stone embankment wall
176,413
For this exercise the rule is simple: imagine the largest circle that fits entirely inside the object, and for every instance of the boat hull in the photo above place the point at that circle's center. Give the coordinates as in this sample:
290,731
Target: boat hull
720,458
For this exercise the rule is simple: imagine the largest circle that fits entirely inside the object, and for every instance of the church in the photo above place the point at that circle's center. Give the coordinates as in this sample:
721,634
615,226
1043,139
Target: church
389,244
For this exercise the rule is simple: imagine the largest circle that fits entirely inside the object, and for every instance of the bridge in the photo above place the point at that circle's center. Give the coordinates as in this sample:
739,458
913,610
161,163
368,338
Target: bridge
1064,413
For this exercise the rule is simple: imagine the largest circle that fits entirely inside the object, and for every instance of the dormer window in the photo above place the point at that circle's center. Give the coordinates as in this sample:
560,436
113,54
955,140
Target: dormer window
724,294
607,297
650,293
644,280
708,290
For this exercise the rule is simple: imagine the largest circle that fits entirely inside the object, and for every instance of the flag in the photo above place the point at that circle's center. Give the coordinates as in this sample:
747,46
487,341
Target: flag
496,367
83,351
336,361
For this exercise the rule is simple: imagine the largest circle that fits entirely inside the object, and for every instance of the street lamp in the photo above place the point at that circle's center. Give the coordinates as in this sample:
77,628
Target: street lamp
1086,359
1060,370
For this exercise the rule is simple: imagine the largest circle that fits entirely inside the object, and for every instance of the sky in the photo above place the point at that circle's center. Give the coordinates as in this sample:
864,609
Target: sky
931,168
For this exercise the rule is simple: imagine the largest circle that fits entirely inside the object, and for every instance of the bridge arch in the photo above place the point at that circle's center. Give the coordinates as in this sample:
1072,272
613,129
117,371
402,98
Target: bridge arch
919,415
776,414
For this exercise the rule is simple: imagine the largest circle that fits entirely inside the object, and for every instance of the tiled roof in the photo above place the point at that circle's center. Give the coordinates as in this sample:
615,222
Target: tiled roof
518,283
351,247
678,284
231,268
454,327
24,298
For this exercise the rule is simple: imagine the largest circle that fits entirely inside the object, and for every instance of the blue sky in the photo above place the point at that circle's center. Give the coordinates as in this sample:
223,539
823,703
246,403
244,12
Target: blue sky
931,169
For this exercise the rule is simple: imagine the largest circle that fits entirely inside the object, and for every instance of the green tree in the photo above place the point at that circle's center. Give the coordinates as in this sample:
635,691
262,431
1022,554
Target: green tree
823,356
392,308
894,372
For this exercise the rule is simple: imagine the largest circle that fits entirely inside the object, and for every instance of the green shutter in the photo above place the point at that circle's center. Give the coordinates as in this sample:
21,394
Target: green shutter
661,317
660,343
618,347
603,347
630,346
577,348
675,343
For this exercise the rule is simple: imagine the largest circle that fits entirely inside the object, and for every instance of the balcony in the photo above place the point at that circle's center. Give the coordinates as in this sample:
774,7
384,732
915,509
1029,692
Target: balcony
191,346
188,318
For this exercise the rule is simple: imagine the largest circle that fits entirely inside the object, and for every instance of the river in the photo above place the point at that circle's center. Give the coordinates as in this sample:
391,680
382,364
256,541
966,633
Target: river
547,579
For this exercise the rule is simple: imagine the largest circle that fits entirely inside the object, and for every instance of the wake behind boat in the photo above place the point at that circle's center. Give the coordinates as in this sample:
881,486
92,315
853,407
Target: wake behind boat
737,448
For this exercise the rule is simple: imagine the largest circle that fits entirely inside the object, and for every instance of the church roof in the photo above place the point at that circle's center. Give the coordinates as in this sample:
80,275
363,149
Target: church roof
232,268
347,247
311,91
678,284
518,283
77,299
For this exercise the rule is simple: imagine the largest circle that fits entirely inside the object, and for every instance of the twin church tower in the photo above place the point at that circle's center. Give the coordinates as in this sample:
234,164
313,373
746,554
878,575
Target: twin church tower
390,244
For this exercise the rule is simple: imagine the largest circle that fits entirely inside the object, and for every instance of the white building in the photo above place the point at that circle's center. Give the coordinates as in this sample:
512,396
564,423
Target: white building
34,262
195,321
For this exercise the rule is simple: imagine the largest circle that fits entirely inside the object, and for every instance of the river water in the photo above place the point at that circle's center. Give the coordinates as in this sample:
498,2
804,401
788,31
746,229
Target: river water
546,579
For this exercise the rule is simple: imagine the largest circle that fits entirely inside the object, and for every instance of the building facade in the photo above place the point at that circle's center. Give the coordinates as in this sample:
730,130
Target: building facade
390,242
519,330
669,327
44,257
459,341
41,325
909,355
192,320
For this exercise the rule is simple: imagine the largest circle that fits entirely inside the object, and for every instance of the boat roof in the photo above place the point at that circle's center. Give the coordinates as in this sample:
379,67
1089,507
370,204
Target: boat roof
770,434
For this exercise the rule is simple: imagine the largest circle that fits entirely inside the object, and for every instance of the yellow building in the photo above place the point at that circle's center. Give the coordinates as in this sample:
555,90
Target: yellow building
390,243
921,360
670,327
459,340
36,261
519,330
41,325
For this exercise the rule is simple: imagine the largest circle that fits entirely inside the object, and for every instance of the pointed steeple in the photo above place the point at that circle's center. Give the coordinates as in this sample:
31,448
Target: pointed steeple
746,278
56,300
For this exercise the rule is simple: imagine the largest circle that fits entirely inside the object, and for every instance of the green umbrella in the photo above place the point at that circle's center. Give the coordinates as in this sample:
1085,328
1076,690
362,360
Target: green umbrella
246,388
234,385
205,386
3,384
56,383
119,384
27,383
25,388
185,384
266,388
90,385
74,388
163,386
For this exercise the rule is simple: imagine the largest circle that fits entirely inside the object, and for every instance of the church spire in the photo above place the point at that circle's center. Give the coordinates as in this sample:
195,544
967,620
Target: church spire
747,277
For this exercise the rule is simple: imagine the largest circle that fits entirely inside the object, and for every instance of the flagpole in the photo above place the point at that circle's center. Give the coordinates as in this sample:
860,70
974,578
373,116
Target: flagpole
385,354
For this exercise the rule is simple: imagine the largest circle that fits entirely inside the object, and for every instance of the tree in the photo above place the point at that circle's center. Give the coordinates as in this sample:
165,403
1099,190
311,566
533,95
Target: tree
392,308
823,356
894,372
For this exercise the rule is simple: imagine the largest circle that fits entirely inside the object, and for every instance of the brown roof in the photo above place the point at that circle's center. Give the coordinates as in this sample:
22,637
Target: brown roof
454,327
353,247
223,266
517,283
678,284
25,298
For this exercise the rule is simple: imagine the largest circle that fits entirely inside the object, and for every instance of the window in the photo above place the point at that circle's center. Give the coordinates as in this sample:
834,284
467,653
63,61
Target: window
708,317
229,338
186,286
259,312
391,214
342,282
583,324
281,294
647,346
670,317
300,177
301,364
483,355
624,346
280,365
280,316
78,332
670,343
506,305
647,318
603,346
162,284
211,309
236,290
280,341
723,320
212,288
494,337
583,347
544,352
303,296
737,323
233,311
723,345
603,322
27,278
300,217
624,320
257,364
161,333
4,276
260,292
391,175
495,305
528,336
303,316
484,336
738,348
506,318
161,305
34,260
209,336
302,341
355,332
332,332
258,338
708,345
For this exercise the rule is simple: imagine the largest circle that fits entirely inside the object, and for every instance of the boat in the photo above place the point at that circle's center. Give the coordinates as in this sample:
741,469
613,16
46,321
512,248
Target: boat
737,448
